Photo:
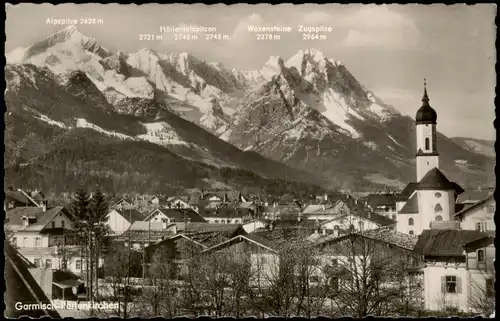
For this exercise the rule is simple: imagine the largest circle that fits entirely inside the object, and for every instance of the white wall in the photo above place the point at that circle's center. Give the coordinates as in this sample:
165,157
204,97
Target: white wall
403,224
435,299
479,214
425,163
68,224
28,239
252,226
265,268
117,222
427,201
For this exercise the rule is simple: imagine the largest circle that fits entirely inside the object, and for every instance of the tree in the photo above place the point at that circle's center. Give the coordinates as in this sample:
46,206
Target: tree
98,230
370,276
482,299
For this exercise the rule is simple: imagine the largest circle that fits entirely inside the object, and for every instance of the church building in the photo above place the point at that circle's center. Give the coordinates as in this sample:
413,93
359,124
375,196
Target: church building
432,197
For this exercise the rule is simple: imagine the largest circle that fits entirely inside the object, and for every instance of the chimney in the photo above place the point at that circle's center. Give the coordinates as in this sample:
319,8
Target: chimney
324,231
324,207
175,229
44,206
326,197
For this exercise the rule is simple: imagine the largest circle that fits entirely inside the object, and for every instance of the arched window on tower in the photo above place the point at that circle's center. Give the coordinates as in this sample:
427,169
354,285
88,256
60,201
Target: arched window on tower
427,143
410,221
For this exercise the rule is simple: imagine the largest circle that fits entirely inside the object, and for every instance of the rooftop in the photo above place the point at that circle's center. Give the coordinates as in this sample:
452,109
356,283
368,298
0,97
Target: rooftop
446,242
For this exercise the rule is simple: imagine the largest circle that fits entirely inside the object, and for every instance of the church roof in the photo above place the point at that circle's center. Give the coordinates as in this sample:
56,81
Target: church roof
426,114
435,180
411,207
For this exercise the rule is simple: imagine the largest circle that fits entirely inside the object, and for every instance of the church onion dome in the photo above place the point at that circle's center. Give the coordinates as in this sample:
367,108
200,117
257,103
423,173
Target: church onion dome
426,114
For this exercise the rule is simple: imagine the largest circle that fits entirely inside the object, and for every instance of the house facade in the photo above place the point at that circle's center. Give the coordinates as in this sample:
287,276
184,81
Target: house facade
478,216
355,222
453,261
119,220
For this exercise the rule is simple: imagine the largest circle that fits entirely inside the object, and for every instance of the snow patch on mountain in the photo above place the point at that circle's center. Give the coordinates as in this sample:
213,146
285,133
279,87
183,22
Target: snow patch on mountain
83,123
371,145
52,122
394,140
479,148
161,133
337,111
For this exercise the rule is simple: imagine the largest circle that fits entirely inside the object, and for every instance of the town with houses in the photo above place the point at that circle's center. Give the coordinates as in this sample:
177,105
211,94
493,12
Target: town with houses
426,250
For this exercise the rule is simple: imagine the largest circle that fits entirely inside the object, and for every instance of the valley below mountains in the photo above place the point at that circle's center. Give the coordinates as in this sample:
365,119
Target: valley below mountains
151,122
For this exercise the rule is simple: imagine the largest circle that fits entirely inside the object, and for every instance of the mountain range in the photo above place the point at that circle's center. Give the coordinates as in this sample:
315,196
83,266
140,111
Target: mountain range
306,119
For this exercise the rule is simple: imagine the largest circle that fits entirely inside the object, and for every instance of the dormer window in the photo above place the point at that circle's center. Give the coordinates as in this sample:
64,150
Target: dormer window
25,221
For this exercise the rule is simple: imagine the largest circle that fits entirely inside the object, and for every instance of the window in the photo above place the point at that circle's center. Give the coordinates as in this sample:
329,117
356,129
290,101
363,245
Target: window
37,262
216,221
361,225
481,226
411,232
410,221
314,279
53,224
62,224
439,218
14,241
437,195
394,217
78,264
25,241
490,209
480,255
334,284
336,227
450,284
38,242
438,208
48,263
427,143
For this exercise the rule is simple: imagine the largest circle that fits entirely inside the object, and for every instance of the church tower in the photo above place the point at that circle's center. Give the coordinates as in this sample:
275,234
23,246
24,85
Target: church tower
425,124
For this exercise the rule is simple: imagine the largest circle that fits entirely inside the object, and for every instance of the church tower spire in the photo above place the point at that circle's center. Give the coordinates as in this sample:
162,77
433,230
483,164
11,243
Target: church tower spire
425,123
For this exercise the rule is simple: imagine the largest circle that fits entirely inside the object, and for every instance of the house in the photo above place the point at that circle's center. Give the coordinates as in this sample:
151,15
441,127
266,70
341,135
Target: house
210,234
38,227
227,215
250,251
123,204
21,287
478,216
324,212
452,260
18,198
356,222
357,255
279,211
176,249
119,220
142,233
470,197
174,215
382,203
178,202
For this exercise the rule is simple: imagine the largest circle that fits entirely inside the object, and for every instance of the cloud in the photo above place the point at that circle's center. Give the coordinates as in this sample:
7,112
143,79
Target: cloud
377,25
317,18
241,33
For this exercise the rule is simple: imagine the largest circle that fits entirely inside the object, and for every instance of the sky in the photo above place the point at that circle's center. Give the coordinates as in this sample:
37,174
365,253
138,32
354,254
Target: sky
390,49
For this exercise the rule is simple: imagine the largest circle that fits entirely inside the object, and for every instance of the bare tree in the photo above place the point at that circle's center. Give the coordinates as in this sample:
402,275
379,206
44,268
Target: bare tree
482,298
371,277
